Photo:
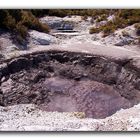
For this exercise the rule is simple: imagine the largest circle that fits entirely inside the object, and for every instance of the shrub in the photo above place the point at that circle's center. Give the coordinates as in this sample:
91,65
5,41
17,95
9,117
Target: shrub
137,26
58,12
94,30
20,34
39,12
21,29
123,18
16,14
107,30
69,12
101,18
9,22
18,22
30,21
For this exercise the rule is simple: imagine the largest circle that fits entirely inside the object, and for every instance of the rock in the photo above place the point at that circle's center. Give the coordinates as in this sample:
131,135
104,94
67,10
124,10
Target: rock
38,38
124,41
117,40
1,56
7,45
58,23
53,22
3,79
121,37
38,76
66,26
1,99
135,63
17,64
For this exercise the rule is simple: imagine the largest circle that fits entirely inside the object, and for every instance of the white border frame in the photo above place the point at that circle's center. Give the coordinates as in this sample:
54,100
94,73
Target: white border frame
69,4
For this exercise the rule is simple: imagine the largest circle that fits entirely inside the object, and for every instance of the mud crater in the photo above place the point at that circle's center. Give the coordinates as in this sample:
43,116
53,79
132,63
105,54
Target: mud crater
70,82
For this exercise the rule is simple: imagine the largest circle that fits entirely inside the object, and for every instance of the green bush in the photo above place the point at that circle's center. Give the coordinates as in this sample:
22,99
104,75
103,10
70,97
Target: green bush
123,18
21,33
107,30
69,12
9,22
101,18
18,22
31,22
94,30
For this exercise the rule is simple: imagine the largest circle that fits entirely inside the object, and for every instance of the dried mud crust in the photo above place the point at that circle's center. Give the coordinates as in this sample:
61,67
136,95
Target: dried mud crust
70,82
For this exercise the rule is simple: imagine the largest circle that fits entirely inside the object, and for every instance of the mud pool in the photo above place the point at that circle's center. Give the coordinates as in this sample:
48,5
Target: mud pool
70,82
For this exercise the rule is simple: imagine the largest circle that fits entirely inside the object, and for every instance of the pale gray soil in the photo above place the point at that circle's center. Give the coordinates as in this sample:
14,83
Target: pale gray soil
30,118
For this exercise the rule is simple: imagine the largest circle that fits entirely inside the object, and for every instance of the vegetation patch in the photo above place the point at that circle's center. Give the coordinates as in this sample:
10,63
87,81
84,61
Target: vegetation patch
123,18
18,22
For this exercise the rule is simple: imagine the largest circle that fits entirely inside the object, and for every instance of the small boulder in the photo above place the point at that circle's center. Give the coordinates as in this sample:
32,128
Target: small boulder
53,22
38,76
39,38
66,26
124,41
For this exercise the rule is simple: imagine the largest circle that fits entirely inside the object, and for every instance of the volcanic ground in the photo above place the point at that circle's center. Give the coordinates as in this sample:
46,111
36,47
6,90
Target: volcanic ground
70,82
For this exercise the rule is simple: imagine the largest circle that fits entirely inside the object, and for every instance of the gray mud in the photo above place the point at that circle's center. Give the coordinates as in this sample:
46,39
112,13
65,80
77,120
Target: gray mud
70,82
